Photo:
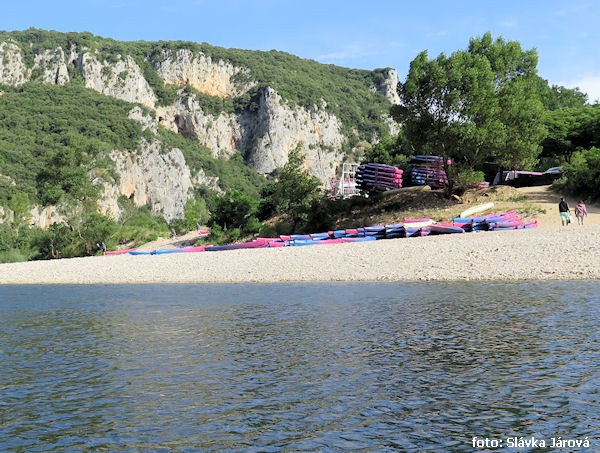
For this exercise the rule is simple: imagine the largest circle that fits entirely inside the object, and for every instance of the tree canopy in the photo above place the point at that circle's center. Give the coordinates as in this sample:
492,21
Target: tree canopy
477,105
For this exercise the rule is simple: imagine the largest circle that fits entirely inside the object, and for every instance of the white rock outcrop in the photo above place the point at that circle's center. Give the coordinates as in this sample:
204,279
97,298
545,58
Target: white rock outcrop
215,78
122,79
160,180
44,217
389,87
53,67
12,67
222,134
277,128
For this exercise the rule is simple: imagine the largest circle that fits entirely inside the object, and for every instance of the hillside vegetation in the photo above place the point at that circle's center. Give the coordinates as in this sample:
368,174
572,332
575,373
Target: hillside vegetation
347,92
484,109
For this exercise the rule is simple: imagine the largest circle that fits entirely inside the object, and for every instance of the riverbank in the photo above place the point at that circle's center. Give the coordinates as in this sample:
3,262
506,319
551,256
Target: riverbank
538,254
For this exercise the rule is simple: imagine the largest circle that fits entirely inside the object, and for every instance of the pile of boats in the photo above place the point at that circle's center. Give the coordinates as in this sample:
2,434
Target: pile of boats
409,228
378,177
428,170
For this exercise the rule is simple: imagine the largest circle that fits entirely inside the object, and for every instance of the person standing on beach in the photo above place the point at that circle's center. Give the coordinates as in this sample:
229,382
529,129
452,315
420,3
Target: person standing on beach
580,211
564,210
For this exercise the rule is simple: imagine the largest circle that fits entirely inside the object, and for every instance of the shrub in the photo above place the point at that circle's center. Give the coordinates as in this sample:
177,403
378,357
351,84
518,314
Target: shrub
233,209
293,192
465,176
582,176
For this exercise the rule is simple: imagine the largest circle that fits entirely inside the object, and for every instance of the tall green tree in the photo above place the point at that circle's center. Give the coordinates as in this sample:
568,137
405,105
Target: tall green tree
476,106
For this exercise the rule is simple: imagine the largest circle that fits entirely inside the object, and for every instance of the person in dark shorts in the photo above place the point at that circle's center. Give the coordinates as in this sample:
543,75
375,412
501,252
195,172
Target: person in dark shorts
563,209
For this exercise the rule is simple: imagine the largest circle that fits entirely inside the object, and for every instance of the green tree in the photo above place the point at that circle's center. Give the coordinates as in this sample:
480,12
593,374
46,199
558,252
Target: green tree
476,106
581,177
233,209
65,173
20,206
390,150
294,190
557,97
570,130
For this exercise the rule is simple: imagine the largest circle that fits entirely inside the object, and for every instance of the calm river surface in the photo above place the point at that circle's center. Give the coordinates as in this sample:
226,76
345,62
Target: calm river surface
298,367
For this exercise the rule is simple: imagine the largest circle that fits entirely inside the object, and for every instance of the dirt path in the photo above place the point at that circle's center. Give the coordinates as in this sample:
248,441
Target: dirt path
547,199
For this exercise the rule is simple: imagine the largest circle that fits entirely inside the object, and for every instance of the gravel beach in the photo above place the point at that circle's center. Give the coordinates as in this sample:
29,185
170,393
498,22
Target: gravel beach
549,252
537,254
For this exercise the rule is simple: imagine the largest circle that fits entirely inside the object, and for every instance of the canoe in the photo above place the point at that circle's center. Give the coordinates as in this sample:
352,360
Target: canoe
301,242
444,229
256,244
120,252
361,239
278,244
380,167
417,223
200,248
476,209
380,171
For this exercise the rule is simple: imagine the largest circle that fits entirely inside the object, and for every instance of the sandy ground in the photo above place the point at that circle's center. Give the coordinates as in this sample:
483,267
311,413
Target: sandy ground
550,252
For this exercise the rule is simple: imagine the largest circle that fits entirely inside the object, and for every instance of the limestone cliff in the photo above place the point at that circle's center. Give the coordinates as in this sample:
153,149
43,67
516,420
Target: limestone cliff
151,177
263,131
276,128
215,78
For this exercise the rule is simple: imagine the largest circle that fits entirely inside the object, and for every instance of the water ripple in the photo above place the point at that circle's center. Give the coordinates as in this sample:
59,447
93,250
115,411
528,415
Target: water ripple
297,367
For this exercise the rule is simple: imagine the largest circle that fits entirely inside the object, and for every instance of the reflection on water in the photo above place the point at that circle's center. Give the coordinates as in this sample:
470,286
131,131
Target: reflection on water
288,367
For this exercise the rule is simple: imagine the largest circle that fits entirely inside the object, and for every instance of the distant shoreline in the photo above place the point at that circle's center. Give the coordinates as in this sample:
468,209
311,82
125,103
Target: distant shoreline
570,253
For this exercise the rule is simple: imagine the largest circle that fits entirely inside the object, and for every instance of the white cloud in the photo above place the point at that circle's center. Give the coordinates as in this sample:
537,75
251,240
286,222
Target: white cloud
589,85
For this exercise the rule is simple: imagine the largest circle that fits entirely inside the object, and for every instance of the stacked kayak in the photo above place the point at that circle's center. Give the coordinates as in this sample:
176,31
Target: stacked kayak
491,222
378,177
408,228
174,250
428,170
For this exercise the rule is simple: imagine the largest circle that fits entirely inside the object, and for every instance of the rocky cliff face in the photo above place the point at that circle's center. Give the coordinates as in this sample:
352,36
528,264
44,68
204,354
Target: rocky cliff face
12,67
389,87
160,180
276,128
215,78
222,133
264,135
122,79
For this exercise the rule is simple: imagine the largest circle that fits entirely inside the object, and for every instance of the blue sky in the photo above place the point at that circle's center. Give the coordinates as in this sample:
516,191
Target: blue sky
351,33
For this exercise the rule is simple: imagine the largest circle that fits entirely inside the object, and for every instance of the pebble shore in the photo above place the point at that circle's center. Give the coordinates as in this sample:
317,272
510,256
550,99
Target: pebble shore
569,253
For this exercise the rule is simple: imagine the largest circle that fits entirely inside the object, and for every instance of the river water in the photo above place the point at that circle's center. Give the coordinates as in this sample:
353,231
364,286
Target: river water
298,367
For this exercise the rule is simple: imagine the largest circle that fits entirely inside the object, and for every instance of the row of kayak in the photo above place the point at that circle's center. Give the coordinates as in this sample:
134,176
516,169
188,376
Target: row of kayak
378,177
409,228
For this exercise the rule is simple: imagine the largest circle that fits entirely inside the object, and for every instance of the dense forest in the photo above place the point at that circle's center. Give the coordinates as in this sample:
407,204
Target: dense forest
484,108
